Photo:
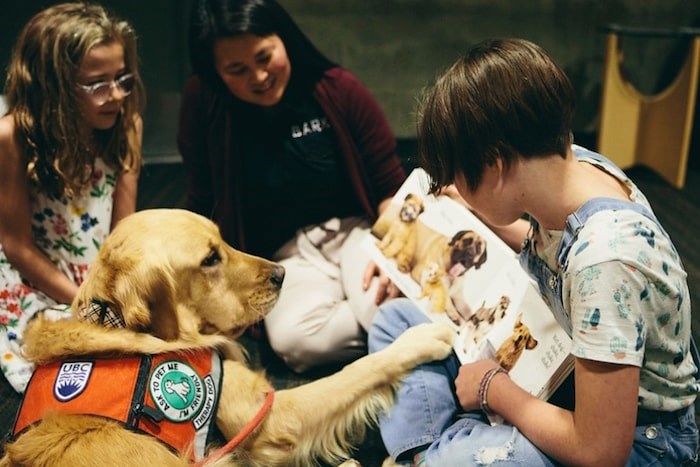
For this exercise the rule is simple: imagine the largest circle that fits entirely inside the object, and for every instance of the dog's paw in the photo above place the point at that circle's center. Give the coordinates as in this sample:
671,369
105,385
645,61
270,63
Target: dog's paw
425,342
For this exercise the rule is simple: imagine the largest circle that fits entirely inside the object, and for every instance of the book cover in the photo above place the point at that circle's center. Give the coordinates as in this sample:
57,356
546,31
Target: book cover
460,272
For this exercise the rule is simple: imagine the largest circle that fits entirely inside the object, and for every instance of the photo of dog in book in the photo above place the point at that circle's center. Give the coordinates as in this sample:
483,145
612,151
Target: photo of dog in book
482,321
433,286
456,255
399,243
513,347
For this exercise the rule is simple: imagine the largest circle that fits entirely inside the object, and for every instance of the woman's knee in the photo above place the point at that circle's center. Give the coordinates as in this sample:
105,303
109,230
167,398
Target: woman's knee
302,346
298,352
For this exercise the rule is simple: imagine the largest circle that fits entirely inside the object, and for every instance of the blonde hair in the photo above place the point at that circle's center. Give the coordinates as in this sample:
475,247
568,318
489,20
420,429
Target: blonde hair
42,96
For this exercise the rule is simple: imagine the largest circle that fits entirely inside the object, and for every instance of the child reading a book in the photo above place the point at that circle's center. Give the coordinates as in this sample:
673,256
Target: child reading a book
497,125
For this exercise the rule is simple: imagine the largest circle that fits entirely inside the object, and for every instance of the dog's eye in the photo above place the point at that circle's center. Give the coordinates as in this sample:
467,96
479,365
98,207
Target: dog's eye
212,259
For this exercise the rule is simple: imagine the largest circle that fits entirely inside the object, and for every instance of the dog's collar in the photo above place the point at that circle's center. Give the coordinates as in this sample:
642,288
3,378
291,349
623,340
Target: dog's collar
99,312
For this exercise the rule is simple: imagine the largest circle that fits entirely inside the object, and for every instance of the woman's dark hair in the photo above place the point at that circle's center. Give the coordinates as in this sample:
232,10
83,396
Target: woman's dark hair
503,99
215,19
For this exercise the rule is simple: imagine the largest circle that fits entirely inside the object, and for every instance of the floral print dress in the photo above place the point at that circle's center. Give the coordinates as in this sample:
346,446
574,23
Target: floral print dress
70,232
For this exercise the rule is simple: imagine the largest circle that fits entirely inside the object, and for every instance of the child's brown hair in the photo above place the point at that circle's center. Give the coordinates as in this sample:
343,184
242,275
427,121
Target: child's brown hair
503,99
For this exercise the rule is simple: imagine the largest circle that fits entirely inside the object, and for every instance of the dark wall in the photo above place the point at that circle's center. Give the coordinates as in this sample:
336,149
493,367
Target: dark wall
397,46
160,24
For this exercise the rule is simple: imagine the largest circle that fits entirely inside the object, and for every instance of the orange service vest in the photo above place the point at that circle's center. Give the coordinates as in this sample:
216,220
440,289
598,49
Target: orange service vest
172,396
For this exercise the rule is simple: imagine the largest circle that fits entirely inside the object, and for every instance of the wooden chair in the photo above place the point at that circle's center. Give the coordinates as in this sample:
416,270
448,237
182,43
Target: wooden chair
655,130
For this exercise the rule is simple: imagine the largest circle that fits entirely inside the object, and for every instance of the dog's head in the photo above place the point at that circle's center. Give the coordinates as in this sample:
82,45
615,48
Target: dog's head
411,208
432,274
502,308
499,311
522,338
169,273
512,348
467,250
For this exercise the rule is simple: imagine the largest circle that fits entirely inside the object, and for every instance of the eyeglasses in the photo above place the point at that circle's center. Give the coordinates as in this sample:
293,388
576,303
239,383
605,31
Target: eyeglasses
101,92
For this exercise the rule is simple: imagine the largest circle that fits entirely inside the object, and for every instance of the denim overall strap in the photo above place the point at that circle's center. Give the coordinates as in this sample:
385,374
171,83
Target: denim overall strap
577,220
582,153
547,280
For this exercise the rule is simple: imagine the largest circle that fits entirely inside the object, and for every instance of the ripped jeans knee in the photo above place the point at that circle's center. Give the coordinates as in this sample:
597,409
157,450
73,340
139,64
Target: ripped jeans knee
472,441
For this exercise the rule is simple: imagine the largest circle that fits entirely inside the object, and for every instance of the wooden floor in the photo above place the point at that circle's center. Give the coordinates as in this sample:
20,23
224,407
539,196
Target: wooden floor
678,210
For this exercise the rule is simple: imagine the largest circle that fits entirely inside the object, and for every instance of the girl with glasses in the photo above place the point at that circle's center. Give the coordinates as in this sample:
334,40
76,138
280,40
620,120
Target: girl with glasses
292,156
70,154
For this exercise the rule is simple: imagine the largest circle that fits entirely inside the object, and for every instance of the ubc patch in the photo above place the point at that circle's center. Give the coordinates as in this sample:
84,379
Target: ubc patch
71,380
177,390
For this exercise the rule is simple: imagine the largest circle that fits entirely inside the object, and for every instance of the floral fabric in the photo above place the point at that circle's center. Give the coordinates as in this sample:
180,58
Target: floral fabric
69,232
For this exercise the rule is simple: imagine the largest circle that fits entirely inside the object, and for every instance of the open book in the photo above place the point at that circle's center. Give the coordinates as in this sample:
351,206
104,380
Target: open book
460,272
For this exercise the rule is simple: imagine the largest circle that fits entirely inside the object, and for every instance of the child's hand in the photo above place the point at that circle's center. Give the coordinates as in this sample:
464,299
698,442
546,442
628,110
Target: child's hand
468,382
451,192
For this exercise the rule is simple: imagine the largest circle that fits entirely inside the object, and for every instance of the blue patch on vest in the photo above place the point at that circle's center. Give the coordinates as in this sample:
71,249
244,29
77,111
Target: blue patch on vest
71,380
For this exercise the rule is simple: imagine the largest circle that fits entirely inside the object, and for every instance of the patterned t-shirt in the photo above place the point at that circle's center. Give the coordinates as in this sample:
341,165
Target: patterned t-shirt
626,294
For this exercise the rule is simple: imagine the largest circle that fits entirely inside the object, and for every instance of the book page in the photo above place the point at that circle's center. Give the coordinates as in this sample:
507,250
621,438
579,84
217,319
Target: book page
458,271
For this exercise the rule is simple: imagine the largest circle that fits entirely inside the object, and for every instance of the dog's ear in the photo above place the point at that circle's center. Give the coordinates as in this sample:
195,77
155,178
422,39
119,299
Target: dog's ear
421,203
481,259
531,342
146,296
457,236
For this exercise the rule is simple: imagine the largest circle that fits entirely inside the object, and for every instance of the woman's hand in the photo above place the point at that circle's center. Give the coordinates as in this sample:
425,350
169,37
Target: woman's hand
385,288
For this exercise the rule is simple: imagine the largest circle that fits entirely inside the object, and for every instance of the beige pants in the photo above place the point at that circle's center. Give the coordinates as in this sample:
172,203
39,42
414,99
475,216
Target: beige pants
323,314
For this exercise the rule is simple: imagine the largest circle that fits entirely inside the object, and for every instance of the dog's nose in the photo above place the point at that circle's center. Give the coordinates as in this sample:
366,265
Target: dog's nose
277,276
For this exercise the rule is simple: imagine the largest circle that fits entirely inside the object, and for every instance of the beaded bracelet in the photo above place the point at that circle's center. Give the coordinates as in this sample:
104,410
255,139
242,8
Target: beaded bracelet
484,387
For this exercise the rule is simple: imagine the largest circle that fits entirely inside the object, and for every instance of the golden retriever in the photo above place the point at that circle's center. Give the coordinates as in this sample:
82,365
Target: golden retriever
165,283
512,348
399,242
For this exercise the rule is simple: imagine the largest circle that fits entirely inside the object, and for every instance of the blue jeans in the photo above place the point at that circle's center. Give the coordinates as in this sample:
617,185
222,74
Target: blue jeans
427,415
